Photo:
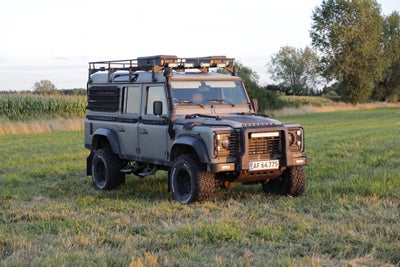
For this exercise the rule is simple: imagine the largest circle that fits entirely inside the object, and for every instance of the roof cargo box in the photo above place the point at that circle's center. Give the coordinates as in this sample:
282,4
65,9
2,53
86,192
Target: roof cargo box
161,60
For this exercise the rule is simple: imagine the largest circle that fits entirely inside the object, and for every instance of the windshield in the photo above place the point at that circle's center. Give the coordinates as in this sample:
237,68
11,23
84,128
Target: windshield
202,93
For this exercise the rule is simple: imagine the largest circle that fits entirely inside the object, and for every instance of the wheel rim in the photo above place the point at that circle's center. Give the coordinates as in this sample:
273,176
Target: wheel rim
184,185
100,171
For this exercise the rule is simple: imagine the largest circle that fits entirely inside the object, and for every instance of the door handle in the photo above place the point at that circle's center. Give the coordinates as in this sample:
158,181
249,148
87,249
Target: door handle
144,131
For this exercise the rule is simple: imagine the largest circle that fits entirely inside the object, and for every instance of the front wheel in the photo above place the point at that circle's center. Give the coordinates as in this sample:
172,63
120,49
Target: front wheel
292,182
189,181
106,166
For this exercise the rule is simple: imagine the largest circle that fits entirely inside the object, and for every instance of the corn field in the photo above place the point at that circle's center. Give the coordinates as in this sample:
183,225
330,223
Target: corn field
30,107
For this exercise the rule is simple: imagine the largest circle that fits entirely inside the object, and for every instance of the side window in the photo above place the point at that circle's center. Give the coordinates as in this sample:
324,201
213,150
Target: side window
155,93
132,99
103,98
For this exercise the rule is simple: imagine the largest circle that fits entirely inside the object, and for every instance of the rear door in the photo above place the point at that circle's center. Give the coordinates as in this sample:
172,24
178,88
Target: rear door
129,120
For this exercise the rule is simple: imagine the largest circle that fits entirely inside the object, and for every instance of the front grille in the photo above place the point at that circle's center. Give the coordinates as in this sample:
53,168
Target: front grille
234,143
265,147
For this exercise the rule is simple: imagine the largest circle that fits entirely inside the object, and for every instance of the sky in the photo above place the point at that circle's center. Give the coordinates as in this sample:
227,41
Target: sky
55,40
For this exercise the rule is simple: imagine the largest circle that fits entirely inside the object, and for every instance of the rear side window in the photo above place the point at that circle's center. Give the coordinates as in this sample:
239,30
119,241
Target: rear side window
103,98
132,97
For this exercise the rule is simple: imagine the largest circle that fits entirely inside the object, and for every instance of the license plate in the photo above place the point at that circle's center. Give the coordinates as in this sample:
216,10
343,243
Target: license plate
264,165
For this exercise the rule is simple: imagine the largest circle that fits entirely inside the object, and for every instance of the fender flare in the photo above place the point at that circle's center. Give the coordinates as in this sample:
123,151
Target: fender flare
110,135
194,142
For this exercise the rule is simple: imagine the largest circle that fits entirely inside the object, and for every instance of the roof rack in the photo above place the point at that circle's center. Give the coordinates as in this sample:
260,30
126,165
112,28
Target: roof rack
158,63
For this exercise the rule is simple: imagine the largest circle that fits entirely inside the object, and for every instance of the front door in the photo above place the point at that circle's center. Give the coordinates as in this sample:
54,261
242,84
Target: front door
153,129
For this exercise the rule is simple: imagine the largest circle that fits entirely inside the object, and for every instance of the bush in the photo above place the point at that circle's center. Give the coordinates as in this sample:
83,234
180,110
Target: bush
267,99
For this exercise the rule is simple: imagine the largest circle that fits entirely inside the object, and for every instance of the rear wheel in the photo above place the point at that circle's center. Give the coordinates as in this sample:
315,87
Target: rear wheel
189,181
106,166
292,182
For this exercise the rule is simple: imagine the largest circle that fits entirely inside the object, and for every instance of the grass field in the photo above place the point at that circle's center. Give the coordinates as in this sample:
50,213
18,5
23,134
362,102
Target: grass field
50,214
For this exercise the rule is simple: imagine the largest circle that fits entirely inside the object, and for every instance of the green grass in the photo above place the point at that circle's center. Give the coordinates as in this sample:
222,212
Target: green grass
50,214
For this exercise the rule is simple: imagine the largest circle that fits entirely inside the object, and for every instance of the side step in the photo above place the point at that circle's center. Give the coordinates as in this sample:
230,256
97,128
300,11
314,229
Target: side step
126,170
149,170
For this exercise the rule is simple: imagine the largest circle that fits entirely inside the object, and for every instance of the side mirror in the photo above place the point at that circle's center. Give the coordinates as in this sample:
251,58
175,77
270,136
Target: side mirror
157,108
254,101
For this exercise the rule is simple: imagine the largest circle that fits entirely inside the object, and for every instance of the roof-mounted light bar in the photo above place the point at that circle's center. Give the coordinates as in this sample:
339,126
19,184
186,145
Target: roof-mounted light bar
209,62
187,65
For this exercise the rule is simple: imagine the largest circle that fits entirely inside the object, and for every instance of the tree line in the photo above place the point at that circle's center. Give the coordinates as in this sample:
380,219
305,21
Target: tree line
46,87
355,54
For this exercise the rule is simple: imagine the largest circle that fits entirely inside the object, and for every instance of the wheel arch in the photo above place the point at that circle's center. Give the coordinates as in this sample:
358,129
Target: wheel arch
105,136
190,144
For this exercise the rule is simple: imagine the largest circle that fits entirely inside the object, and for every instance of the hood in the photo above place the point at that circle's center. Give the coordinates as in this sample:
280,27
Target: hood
235,121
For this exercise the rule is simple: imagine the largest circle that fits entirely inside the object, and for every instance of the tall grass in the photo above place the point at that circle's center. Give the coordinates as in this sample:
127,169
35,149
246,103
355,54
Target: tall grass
40,125
298,101
50,214
28,106
309,106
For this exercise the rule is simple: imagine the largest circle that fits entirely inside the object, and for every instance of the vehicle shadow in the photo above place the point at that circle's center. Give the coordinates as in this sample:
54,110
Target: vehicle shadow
150,188
156,188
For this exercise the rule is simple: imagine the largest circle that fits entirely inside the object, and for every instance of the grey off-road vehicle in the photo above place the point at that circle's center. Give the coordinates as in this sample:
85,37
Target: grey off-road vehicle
175,114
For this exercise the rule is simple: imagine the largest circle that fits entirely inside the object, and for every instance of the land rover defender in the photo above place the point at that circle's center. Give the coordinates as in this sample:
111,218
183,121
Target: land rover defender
181,116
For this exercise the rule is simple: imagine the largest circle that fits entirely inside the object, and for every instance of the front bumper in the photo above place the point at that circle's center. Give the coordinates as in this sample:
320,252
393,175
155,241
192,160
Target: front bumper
231,167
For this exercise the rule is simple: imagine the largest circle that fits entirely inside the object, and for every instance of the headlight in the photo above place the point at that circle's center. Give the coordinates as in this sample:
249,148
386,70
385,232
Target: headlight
225,144
296,139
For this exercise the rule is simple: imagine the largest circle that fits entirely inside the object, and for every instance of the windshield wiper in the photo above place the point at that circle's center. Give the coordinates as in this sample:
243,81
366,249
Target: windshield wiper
220,101
189,102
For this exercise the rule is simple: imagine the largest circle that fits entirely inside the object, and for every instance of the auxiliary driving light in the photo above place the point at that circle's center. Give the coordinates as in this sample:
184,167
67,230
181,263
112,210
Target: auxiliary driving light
189,65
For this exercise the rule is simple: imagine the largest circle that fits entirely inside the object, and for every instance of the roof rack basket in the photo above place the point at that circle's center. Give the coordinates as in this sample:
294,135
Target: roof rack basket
158,63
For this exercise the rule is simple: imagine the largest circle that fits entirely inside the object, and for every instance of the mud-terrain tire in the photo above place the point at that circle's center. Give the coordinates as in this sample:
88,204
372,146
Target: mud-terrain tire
189,180
292,182
106,168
